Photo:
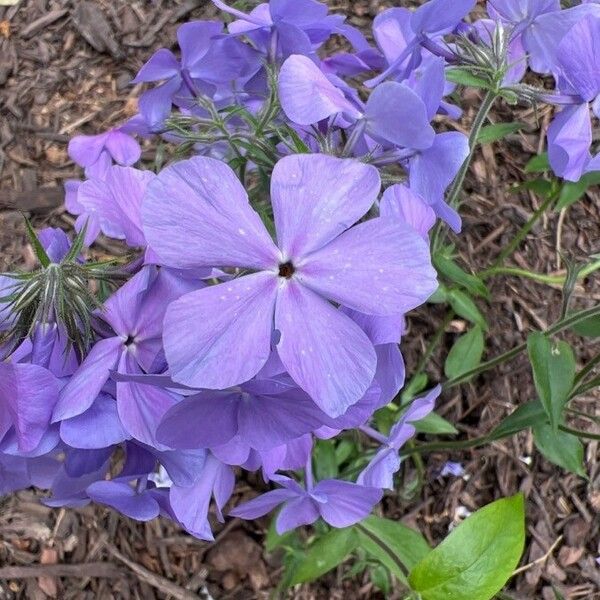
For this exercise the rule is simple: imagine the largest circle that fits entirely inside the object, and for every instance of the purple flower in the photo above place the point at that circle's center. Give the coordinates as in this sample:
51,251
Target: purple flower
133,318
339,503
221,336
393,114
380,471
96,152
570,133
28,394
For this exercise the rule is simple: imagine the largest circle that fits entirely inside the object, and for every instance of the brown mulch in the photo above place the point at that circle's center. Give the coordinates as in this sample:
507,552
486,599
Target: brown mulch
65,68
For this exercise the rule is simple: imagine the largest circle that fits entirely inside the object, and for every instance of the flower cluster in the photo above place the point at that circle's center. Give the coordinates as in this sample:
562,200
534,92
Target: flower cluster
276,257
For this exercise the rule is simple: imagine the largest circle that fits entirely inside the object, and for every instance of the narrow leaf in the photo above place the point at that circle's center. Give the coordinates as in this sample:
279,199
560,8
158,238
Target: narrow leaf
435,425
560,448
477,558
538,164
493,133
527,415
39,250
448,267
464,306
466,78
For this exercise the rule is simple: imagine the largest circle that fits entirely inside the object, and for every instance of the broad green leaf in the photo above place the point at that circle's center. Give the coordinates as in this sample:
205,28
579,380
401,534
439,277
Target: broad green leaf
466,78
463,305
538,164
589,327
477,558
465,354
493,133
448,267
560,448
325,461
542,187
553,373
325,554
395,545
525,416
435,425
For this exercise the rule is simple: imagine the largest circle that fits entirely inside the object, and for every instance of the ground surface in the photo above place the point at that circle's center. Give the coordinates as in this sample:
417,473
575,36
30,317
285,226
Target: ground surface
54,84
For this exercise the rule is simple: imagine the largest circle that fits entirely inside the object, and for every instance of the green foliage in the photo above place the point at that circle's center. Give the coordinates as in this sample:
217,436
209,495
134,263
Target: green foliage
449,269
393,544
477,558
436,425
493,133
466,78
538,164
523,417
325,460
573,191
464,306
465,354
553,373
560,448
326,553
589,327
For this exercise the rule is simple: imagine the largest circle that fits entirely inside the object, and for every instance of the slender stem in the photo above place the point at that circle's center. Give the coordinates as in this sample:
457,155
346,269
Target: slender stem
587,369
521,235
586,387
438,446
559,326
480,117
584,434
540,277
393,556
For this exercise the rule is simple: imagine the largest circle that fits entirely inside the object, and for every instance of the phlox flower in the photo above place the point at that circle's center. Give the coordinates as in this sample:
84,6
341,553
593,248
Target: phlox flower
339,503
222,335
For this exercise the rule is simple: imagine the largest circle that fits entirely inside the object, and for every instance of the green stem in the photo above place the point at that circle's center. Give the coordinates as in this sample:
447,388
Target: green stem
559,326
384,547
455,188
521,235
584,434
441,446
540,277
586,387
587,369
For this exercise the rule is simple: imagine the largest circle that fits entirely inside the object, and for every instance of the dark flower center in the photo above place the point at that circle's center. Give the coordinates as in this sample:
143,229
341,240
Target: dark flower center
129,341
286,269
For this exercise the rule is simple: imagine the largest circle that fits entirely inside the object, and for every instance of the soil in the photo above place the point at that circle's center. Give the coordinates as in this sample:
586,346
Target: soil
65,68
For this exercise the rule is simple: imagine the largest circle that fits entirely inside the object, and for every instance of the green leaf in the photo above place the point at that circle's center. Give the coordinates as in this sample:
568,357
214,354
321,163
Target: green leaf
325,460
589,327
380,578
560,448
538,164
464,306
448,267
465,354
477,558
571,191
274,540
39,250
525,416
493,133
435,425
553,373
325,554
393,544
416,384
464,77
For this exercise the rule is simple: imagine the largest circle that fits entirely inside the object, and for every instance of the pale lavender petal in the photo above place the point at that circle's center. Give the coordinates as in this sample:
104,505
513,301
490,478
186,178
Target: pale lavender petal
379,473
201,204
307,96
392,32
195,38
98,427
579,57
324,351
396,114
347,503
201,421
123,148
85,385
161,65
390,371
85,149
296,512
316,197
122,497
420,407
184,467
569,141
155,104
221,335
401,203
298,12
440,15
28,394
379,267
263,504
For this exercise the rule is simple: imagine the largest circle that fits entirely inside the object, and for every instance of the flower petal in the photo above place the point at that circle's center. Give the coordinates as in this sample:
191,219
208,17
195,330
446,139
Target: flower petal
380,267
200,205
316,197
220,336
347,503
122,497
324,351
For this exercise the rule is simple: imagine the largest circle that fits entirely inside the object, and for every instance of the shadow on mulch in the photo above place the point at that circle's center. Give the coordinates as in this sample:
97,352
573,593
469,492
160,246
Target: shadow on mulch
65,68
